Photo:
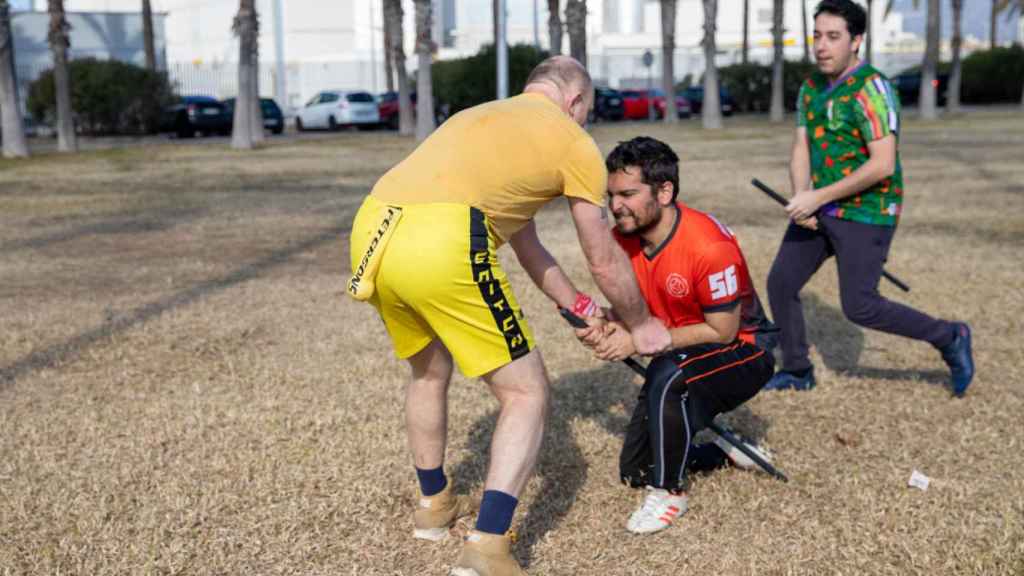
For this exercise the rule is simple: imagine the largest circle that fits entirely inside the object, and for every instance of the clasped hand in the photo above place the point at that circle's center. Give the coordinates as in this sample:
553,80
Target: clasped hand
609,340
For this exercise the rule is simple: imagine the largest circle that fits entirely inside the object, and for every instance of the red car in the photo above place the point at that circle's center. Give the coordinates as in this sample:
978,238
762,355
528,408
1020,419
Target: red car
387,105
636,102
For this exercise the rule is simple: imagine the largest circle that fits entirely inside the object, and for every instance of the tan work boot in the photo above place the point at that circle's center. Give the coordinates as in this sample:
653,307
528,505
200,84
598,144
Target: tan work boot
437,513
486,554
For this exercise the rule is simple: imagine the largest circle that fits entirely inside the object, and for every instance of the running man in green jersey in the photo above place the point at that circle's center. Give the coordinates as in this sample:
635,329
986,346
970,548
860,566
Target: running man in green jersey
848,195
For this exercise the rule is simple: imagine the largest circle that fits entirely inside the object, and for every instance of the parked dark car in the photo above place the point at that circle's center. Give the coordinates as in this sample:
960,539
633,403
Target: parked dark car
196,114
908,86
683,106
273,118
608,105
695,94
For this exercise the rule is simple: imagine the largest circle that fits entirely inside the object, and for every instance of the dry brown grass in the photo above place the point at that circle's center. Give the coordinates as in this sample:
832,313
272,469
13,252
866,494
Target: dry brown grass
184,389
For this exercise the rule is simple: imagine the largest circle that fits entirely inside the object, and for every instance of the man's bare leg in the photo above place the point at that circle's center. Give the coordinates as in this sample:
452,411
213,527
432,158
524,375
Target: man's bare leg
521,387
426,405
426,422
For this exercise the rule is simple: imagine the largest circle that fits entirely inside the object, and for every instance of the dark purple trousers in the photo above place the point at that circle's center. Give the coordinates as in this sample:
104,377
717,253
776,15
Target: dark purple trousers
860,251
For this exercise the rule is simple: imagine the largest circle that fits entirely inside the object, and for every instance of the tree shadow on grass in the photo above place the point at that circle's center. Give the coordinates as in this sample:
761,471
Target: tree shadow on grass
840,343
66,350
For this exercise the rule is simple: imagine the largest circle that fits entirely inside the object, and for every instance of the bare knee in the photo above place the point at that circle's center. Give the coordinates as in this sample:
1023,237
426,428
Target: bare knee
431,369
521,383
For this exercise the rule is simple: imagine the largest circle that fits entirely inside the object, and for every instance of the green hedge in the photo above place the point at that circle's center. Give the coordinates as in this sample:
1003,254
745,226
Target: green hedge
988,76
993,76
466,82
107,97
750,85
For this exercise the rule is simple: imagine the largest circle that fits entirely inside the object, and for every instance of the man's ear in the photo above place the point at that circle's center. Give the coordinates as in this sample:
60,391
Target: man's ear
857,41
665,191
577,100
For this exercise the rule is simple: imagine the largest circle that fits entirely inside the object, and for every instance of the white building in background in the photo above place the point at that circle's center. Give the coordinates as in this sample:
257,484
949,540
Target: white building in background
339,43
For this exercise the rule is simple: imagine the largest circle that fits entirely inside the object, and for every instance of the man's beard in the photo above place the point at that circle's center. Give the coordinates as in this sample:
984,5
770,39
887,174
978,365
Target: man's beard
640,227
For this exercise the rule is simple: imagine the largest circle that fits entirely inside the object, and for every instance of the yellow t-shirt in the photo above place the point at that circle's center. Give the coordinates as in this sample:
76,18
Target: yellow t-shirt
507,158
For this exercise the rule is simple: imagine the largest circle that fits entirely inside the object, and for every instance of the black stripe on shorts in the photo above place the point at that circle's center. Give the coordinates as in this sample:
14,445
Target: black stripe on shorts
490,288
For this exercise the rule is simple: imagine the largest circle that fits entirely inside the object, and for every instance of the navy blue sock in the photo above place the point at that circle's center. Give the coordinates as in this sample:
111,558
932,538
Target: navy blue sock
496,510
432,481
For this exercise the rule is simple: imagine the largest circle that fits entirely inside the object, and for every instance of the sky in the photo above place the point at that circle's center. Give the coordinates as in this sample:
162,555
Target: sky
975,21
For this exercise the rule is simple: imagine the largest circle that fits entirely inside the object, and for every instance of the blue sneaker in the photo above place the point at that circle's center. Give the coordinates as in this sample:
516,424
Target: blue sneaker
783,380
959,358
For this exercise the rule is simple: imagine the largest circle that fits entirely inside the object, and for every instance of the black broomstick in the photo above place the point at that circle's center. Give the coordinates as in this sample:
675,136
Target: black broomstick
775,196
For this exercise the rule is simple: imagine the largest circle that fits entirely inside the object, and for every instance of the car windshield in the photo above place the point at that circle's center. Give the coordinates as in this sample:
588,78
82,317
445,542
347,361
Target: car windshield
364,97
268,107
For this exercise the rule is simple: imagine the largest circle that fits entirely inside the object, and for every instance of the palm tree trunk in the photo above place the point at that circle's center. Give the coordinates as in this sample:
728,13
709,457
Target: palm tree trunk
746,31
147,35
776,111
59,44
242,136
494,20
389,69
424,86
926,104
668,51
554,28
992,24
11,123
255,108
953,94
803,41
576,23
711,114
393,20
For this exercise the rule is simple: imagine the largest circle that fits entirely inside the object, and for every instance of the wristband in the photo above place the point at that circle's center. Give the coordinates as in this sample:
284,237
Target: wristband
584,305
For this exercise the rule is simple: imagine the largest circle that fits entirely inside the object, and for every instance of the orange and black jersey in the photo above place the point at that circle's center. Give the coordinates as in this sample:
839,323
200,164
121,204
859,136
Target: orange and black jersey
698,269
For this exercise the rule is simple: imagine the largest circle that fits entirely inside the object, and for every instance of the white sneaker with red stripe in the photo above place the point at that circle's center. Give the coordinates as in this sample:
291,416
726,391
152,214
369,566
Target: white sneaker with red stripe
659,510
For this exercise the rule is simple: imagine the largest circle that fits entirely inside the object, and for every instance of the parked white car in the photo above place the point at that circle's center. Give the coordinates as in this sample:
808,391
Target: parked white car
333,109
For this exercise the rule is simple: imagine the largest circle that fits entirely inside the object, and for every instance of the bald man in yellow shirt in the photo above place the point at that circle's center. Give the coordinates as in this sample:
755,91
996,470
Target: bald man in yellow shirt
424,251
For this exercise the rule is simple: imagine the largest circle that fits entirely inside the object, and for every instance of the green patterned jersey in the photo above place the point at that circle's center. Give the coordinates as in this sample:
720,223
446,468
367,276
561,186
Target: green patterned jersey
841,119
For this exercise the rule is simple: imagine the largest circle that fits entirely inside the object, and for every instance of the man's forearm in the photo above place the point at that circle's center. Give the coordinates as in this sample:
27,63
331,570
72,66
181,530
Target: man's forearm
614,277
553,282
695,334
800,164
799,173
542,267
608,264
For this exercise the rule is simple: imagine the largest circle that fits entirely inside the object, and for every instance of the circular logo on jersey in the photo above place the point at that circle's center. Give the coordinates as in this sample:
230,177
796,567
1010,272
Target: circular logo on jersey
677,285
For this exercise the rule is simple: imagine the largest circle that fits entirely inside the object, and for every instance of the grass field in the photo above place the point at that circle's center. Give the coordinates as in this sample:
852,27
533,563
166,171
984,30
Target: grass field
185,389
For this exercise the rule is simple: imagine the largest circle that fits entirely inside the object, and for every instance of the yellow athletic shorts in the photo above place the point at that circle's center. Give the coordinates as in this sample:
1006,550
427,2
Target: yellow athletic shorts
439,277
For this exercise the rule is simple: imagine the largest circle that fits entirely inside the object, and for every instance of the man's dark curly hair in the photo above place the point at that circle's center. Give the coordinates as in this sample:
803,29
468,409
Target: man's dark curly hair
854,14
657,162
